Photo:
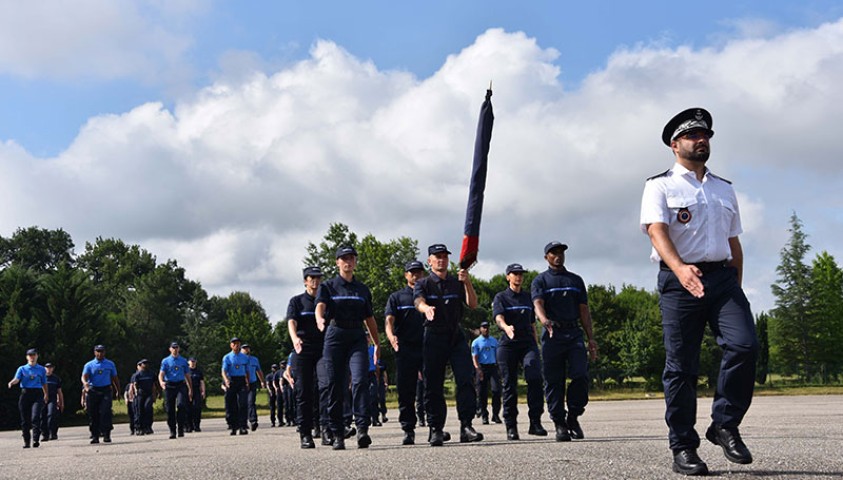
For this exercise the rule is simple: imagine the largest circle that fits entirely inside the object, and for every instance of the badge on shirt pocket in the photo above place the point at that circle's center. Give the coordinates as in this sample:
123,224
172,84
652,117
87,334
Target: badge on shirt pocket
684,215
684,208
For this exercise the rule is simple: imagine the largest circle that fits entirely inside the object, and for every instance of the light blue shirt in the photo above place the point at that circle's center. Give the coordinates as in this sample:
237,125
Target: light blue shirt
100,373
31,376
174,368
486,349
254,368
235,364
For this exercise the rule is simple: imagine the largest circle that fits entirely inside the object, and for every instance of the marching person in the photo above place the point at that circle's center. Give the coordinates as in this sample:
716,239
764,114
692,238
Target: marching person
235,378
560,300
194,410
129,400
693,221
440,297
173,378
484,350
257,381
513,313
100,384
32,378
342,305
272,393
144,390
54,407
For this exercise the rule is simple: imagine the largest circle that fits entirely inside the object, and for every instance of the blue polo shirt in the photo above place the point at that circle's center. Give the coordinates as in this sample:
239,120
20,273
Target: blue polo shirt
254,367
563,292
486,350
446,295
517,311
372,366
291,359
100,372
235,364
31,376
409,322
348,303
144,381
302,309
174,368
53,387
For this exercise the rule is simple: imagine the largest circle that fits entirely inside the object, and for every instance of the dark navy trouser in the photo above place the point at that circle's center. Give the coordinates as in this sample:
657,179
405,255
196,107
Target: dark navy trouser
31,405
50,419
194,411
408,364
725,309
236,403
441,347
373,396
310,390
143,410
252,400
99,410
346,349
510,355
176,405
562,354
420,411
491,381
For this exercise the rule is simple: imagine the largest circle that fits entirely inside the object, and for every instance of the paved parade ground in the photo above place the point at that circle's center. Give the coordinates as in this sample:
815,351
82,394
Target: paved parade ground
790,437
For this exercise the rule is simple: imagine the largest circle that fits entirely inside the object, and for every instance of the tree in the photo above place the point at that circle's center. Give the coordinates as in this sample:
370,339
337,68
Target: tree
825,313
323,255
791,332
37,249
763,369
642,348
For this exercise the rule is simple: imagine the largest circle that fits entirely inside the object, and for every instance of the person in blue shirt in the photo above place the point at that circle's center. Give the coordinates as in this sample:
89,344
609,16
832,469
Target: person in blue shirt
484,350
194,408
54,407
343,305
143,387
257,381
288,386
383,385
272,393
374,372
513,313
441,298
33,395
101,385
173,380
235,378
560,301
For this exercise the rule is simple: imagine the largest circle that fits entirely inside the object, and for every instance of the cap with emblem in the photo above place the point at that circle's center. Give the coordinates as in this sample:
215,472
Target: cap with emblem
174,345
246,345
48,365
274,366
414,265
346,250
191,359
311,272
234,340
685,122
484,324
514,268
32,351
99,348
554,245
143,361
437,248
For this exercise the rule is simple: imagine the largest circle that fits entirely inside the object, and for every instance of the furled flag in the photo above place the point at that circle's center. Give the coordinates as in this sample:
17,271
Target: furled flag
471,237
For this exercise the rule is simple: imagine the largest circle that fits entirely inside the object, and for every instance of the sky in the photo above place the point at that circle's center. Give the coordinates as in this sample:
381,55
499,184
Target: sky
228,135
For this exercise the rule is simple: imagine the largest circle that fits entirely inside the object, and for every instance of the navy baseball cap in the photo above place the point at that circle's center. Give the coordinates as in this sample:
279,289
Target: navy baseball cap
174,345
234,340
142,361
99,348
414,265
311,272
553,245
32,351
484,324
687,121
514,268
49,365
191,359
246,345
437,248
346,250
274,366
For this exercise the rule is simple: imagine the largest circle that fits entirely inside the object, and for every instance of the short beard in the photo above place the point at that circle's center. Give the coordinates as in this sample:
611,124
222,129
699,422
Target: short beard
701,157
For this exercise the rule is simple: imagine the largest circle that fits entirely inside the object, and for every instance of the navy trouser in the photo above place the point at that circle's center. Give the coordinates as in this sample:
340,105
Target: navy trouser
725,309
99,410
346,349
309,387
289,404
562,354
408,364
491,381
143,410
50,419
420,411
510,355
441,347
373,396
236,403
194,412
130,410
31,405
176,405
252,399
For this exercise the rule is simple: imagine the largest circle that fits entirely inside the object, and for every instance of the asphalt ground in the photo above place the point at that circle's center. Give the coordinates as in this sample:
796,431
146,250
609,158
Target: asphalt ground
791,437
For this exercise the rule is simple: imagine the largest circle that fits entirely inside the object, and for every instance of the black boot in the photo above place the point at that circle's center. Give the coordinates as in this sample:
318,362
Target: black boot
468,434
574,428
537,429
363,438
562,434
409,438
339,442
327,437
307,441
512,433
436,439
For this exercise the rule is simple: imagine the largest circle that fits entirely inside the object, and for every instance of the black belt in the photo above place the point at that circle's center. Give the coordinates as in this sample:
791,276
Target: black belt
705,267
564,324
345,326
175,384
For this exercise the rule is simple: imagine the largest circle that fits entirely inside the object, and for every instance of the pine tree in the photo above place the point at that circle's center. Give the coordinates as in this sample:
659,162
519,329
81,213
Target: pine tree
825,310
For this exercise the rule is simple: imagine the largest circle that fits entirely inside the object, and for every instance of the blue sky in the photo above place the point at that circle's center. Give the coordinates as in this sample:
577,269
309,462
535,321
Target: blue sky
228,134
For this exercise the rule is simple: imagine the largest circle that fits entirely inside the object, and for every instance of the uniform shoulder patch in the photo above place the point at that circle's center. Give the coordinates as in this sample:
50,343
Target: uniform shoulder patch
663,174
721,178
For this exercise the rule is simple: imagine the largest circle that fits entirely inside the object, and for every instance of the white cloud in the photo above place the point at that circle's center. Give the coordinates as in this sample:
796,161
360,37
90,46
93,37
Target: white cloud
234,181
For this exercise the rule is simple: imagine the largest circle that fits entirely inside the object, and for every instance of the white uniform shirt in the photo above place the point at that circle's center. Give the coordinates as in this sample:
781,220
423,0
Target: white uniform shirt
701,216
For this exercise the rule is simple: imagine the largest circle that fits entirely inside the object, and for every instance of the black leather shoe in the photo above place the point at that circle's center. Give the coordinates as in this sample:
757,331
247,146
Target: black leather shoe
436,438
376,422
422,422
172,434
537,429
485,421
327,437
496,419
562,434
317,430
54,437
106,438
350,432
93,440
254,426
339,443
363,438
233,432
26,444
409,438
181,433
730,441
446,436
307,442
468,434
575,429
687,462
512,433
244,431
35,444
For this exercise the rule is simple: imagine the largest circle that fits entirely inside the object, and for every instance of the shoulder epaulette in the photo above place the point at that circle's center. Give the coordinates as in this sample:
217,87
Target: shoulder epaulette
720,178
663,174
